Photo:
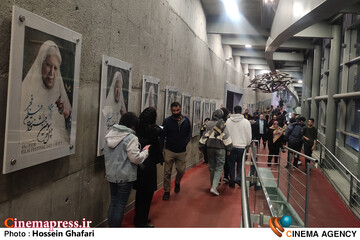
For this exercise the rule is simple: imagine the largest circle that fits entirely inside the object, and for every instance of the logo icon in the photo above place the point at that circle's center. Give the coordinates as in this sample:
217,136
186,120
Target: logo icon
280,223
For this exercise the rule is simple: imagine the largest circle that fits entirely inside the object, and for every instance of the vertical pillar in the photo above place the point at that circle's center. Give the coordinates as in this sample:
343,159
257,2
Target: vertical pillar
303,90
316,84
333,83
307,86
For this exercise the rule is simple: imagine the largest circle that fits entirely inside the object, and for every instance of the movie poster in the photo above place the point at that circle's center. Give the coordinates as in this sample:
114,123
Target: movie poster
114,96
42,91
150,92
170,97
186,106
196,117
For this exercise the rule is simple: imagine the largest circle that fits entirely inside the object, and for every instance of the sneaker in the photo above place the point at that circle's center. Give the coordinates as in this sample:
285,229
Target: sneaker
214,191
177,187
238,182
232,184
299,162
166,196
226,180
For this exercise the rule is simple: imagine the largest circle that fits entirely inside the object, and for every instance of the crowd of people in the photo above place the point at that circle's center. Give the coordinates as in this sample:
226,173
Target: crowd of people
136,145
132,150
269,127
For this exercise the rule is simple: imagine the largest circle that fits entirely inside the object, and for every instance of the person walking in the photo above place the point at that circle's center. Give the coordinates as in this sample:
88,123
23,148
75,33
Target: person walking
177,135
240,132
122,154
263,128
309,136
216,139
204,151
294,136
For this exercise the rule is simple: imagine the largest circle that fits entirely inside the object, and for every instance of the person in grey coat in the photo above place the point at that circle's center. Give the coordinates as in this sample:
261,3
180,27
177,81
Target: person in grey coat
216,139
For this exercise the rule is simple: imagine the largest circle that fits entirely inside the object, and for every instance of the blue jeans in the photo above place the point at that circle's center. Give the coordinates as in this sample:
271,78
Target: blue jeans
120,193
236,156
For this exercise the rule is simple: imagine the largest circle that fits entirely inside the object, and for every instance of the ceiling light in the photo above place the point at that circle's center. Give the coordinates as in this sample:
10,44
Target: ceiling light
248,46
300,81
232,9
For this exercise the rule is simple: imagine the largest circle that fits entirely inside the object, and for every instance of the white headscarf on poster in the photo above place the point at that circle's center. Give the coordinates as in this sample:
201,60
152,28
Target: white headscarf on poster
45,105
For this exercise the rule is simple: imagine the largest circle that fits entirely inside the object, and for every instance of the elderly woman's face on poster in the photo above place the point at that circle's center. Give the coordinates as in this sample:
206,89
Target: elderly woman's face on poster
117,90
49,70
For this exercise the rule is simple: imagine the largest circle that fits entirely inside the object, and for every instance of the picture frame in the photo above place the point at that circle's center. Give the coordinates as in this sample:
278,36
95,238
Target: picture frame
186,105
212,107
42,101
196,117
206,109
114,96
150,92
171,96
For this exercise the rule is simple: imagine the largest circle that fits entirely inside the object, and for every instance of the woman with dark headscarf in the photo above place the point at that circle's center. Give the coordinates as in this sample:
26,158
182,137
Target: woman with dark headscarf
275,136
216,138
149,134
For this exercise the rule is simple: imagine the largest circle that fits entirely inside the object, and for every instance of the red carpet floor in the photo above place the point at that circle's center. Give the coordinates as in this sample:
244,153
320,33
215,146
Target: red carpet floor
196,207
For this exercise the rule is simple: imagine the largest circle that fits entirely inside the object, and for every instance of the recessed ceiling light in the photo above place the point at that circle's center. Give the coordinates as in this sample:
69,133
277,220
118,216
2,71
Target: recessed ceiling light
300,81
248,46
232,9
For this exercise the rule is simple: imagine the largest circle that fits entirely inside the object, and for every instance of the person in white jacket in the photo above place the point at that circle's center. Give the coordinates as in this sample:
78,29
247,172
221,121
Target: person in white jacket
240,132
122,155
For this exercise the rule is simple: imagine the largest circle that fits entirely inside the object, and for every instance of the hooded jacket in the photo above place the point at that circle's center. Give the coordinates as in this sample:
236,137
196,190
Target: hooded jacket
240,130
122,154
216,134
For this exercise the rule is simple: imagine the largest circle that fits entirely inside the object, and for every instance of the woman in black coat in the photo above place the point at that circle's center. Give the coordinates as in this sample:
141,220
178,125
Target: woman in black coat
275,141
146,184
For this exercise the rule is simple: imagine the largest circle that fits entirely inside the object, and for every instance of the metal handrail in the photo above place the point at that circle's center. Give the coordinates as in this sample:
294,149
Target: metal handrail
245,209
338,161
301,154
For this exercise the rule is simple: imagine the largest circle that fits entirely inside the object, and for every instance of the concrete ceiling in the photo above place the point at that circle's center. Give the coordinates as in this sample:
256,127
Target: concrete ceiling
255,27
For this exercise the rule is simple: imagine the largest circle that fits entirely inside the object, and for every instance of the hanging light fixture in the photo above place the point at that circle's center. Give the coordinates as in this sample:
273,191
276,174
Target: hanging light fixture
270,82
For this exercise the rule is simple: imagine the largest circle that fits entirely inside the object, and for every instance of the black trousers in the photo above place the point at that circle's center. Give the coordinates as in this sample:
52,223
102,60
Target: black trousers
307,151
274,150
142,207
226,167
263,136
296,147
206,160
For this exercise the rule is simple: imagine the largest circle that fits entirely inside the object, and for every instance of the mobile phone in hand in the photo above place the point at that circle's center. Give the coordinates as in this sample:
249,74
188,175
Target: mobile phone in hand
146,147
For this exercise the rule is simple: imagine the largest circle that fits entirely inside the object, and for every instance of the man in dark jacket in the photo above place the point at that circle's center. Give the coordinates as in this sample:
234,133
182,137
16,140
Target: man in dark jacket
177,135
262,129
294,136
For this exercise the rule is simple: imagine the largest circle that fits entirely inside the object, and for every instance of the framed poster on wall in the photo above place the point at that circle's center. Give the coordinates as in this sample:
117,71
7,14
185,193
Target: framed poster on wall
206,109
170,97
196,117
212,107
42,96
186,106
114,96
150,92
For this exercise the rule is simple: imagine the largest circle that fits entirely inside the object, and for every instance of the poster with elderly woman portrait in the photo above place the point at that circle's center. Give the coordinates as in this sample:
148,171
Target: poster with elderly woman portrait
170,97
212,107
150,92
114,96
206,111
185,103
43,91
196,117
